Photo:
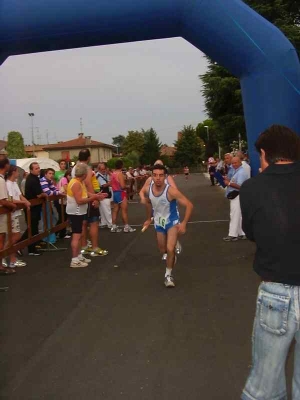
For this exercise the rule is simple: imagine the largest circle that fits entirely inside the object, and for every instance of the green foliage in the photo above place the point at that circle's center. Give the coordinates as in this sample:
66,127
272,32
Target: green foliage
118,141
111,164
134,141
15,145
222,91
151,147
132,159
189,148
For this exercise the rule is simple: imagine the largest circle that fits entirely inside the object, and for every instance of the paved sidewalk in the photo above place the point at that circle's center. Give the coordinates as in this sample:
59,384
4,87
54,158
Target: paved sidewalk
117,333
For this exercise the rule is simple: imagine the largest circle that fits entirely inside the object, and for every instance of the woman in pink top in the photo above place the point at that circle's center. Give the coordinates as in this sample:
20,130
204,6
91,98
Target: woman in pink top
120,198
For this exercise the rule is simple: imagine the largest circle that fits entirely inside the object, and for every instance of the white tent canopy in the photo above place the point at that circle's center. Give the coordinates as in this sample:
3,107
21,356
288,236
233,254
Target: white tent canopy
44,163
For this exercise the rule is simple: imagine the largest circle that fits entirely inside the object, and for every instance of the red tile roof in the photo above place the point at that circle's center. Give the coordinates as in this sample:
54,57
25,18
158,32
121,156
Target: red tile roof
80,142
167,151
37,147
3,144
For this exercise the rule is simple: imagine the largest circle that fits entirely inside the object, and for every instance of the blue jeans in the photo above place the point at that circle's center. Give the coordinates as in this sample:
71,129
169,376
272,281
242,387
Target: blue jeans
276,324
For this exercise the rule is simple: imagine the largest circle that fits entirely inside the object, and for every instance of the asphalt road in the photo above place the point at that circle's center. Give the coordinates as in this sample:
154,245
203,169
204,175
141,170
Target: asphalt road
117,333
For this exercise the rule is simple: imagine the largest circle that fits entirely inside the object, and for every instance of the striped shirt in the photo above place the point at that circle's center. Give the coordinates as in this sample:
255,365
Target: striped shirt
48,187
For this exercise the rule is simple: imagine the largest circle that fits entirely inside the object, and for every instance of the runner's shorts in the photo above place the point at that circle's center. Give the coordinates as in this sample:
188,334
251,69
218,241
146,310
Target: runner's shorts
119,196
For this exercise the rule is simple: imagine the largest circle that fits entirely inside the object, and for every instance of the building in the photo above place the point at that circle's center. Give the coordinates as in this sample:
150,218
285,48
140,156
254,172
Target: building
68,150
3,152
36,150
168,151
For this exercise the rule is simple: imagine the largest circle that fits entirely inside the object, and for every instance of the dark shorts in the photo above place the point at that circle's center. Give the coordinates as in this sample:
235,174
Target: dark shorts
119,196
76,222
92,215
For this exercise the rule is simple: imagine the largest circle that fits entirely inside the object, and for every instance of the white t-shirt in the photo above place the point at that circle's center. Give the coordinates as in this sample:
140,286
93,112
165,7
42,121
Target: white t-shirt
14,191
143,172
247,169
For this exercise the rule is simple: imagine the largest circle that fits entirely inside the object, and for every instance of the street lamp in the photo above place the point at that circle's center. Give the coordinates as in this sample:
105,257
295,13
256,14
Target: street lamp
207,129
31,115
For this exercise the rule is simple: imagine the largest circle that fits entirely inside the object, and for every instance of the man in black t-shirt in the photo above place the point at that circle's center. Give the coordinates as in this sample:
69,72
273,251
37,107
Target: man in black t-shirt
33,190
271,218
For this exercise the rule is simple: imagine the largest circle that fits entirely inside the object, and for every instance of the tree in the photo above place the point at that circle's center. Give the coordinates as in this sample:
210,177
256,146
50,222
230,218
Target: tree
134,141
15,145
118,141
189,147
151,147
222,91
208,132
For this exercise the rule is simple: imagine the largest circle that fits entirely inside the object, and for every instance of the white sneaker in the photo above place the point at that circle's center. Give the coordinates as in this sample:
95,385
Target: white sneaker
169,281
116,229
78,264
128,229
178,247
18,263
83,259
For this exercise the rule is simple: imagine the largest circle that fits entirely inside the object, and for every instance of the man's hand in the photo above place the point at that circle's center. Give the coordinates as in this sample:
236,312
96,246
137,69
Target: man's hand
146,224
226,181
181,228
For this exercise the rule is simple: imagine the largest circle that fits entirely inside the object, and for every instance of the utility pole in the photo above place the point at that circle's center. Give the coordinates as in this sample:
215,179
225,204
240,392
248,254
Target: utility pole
81,125
31,115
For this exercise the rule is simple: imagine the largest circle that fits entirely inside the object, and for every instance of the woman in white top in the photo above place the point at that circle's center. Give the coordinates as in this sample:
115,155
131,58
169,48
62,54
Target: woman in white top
16,197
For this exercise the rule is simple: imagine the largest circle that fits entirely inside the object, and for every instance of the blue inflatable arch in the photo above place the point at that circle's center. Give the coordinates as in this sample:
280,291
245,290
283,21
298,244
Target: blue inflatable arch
227,30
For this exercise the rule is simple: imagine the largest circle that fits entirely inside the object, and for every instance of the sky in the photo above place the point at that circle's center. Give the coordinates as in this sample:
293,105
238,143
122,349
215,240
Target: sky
109,89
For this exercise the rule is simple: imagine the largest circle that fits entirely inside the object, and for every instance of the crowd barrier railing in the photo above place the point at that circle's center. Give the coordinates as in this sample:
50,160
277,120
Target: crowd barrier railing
48,226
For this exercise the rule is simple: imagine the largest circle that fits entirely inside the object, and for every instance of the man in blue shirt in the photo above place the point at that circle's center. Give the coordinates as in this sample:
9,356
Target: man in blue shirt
233,183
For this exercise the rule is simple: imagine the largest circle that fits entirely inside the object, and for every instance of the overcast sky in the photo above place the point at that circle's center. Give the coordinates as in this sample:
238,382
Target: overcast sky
113,89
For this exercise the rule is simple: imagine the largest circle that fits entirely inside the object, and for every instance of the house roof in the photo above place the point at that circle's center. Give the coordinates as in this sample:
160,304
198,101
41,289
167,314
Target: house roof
31,149
167,151
3,144
78,143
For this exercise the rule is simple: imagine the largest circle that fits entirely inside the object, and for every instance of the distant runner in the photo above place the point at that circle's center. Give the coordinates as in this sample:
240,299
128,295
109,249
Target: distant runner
186,172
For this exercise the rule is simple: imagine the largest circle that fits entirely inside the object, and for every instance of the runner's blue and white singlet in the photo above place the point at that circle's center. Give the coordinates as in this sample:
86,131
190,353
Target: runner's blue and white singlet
165,212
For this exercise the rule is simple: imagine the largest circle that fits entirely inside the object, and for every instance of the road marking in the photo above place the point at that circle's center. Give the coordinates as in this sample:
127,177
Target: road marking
196,222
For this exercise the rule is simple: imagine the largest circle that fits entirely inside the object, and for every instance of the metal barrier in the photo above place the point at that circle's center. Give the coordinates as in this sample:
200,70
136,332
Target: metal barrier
48,227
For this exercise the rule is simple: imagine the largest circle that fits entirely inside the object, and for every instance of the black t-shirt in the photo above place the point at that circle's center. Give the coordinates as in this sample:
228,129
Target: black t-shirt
33,189
270,204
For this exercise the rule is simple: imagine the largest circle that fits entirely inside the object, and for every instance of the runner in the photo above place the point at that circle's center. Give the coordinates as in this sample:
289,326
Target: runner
120,199
144,199
163,204
186,172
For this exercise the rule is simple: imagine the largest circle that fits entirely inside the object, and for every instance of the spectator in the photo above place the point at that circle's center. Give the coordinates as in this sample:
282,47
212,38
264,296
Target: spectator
16,196
33,190
62,170
245,165
228,169
232,193
62,187
49,189
92,216
77,201
9,205
25,174
105,205
130,183
271,219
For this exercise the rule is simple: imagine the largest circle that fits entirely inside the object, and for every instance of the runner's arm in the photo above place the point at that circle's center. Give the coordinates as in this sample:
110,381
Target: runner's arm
122,180
145,190
175,194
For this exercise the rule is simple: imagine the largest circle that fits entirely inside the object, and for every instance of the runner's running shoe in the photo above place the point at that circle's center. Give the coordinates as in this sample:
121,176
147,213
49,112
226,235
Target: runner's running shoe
116,229
78,264
128,229
83,259
97,252
169,281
